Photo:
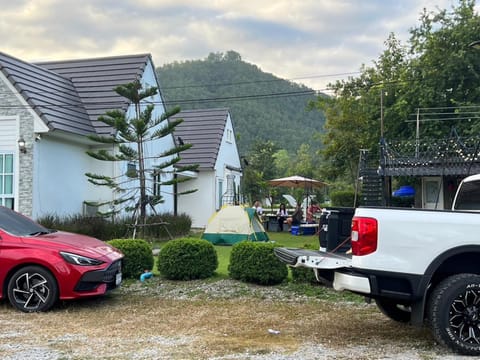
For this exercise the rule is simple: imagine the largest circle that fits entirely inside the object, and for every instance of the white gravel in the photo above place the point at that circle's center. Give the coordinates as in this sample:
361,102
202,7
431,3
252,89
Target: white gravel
14,345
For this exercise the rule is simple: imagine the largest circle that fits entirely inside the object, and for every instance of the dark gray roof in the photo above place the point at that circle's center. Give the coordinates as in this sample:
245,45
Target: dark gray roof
52,96
71,95
94,80
204,130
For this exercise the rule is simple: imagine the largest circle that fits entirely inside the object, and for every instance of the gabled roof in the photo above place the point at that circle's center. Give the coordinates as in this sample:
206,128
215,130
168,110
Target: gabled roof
204,130
52,96
94,80
71,95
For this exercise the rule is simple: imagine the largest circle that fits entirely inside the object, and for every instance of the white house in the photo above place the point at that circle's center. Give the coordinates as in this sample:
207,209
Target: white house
214,149
46,111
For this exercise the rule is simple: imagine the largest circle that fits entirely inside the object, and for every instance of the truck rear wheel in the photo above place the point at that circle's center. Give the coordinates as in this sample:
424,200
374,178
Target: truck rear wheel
393,310
454,312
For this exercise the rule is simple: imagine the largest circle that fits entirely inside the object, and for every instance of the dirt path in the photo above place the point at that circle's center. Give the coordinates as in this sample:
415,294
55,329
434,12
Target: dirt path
211,320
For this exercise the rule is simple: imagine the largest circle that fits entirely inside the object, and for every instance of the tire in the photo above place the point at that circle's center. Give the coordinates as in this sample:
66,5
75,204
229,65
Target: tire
394,311
454,313
32,289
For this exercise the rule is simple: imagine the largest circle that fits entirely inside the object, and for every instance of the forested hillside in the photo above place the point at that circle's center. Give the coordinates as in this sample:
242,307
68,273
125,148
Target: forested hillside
263,107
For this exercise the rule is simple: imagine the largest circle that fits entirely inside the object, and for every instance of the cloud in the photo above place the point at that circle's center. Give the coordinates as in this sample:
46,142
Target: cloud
291,39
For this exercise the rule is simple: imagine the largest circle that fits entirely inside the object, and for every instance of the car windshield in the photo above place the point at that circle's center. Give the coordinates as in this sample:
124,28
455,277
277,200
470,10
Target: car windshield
19,225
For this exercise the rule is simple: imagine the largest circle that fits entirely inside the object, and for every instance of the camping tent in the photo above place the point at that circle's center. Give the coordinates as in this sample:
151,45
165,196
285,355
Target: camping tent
233,224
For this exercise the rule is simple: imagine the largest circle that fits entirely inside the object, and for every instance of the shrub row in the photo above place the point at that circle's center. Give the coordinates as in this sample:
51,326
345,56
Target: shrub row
187,259
161,227
192,258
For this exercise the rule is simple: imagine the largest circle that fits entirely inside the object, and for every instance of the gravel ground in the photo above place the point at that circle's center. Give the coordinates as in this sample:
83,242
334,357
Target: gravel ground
41,336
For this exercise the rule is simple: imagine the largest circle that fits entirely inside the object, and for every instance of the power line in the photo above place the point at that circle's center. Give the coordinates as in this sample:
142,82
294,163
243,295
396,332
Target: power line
172,102
191,86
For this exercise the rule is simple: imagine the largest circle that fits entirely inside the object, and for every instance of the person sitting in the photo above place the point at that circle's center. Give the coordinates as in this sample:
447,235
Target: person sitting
297,217
257,205
282,215
311,211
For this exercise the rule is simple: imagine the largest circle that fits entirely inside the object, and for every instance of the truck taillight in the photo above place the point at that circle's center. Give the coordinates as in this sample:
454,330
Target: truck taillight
364,235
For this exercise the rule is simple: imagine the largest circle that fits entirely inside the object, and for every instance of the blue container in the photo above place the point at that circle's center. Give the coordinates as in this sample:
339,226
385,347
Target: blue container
295,230
309,230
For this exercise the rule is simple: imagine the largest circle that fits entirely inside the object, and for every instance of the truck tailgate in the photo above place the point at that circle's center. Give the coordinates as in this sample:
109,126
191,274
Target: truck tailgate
314,259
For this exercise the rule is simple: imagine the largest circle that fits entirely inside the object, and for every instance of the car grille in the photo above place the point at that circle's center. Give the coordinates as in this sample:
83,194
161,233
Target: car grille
111,271
92,279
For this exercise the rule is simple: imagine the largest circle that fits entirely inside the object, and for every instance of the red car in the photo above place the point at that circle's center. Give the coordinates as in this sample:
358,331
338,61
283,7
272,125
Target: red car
38,266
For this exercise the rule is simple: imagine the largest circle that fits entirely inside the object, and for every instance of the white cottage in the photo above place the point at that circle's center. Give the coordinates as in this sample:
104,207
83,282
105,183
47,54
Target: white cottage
46,111
214,149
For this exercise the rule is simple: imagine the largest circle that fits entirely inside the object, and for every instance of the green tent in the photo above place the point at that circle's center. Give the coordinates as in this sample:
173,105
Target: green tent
233,224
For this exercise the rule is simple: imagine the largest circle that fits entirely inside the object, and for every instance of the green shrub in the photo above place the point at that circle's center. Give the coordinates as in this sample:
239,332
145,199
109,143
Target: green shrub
187,259
138,256
256,263
303,275
343,198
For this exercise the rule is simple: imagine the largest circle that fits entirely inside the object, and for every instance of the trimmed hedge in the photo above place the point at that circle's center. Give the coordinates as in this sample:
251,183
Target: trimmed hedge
256,262
187,259
138,256
343,198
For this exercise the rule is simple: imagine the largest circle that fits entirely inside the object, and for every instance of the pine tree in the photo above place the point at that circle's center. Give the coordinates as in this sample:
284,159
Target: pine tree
131,136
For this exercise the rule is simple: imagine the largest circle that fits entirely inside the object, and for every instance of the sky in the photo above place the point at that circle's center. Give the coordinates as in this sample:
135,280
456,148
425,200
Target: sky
312,42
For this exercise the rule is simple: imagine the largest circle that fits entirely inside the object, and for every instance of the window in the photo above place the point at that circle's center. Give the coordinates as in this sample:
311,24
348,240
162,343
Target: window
469,196
156,183
229,135
132,170
6,180
220,193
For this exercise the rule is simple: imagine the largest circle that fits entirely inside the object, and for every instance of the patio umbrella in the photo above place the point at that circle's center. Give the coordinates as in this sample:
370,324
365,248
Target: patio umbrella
297,182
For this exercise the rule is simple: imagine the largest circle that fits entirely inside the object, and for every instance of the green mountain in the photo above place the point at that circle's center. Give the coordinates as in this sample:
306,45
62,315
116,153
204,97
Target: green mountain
262,106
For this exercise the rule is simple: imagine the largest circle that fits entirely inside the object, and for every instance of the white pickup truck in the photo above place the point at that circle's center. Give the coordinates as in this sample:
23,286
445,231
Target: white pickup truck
420,266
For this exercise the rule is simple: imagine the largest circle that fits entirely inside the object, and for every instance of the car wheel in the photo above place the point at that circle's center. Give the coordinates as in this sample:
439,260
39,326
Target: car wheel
393,310
32,288
454,313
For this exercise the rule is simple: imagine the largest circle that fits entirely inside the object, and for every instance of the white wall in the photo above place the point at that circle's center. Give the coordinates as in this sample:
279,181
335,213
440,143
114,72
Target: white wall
200,205
59,182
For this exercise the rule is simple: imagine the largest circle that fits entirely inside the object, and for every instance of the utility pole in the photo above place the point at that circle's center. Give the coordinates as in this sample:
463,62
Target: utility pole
381,113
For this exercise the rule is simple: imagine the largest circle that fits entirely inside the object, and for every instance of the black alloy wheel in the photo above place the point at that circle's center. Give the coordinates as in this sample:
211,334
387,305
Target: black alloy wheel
454,313
32,289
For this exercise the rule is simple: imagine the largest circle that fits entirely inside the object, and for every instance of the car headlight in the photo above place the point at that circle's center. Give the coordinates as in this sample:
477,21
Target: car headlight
79,259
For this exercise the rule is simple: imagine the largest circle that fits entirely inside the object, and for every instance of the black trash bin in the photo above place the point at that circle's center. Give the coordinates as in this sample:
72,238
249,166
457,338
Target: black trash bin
335,227
272,224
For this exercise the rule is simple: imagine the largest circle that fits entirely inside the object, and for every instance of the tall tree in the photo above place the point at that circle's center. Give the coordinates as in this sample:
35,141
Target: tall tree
444,72
130,139
436,70
260,169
